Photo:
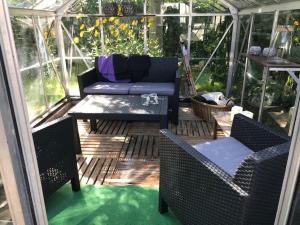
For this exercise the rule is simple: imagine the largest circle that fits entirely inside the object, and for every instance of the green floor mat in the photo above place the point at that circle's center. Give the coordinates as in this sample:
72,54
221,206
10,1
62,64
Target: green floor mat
107,205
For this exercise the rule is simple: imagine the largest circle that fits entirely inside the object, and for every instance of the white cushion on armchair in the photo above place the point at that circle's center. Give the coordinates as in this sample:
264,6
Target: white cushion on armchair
227,153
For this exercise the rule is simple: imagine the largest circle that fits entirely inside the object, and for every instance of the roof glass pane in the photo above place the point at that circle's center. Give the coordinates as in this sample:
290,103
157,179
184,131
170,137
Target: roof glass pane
208,6
36,4
20,3
241,4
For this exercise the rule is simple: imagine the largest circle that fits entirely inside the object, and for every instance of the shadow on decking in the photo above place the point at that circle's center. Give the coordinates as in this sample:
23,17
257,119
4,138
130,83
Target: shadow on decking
122,152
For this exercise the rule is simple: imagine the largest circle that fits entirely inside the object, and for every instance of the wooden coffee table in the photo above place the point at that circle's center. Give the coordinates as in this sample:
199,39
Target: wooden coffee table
120,107
223,120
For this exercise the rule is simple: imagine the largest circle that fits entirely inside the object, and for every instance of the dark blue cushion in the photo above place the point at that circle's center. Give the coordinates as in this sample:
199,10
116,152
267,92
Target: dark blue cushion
162,69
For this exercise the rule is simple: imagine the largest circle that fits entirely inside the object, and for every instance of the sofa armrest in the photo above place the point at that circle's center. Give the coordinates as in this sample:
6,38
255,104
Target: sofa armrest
86,79
255,135
194,187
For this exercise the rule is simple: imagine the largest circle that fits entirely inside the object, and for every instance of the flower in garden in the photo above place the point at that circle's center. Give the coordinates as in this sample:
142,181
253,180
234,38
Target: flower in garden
81,34
46,35
130,33
91,29
96,34
151,19
76,40
116,33
111,19
117,21
296,23
142,20
149,24
97,22
104,20
123,26
134,23
82,26
110,27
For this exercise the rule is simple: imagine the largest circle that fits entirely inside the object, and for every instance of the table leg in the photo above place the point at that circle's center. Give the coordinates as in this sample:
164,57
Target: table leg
93,125
215,130
164,122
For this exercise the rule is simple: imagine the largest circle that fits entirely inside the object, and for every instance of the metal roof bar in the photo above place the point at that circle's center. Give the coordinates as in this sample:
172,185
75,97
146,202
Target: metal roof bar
271,8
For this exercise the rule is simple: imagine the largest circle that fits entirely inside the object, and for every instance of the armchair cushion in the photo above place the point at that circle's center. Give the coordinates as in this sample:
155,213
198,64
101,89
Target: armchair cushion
167,89
108,88
227,153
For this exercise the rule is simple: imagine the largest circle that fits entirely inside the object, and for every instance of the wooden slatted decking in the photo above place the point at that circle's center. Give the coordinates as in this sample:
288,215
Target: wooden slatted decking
122,152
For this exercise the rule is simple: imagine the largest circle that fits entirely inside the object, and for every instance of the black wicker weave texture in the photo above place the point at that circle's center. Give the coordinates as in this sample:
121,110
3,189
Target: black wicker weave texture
55,145
201,193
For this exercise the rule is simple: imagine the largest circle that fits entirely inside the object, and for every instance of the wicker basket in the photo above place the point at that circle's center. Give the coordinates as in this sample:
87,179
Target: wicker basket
203,110
110,8
128,8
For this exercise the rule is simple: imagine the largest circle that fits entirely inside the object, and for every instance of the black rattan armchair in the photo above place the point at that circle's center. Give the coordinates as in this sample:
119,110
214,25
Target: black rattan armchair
199,192
56,143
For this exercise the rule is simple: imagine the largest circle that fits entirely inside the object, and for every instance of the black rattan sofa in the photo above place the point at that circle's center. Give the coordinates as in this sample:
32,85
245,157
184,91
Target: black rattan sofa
163,78
199,192
56,143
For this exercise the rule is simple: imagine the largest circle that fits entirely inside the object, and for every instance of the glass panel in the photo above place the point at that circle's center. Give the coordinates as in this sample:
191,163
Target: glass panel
206,34
85,33
37,4
262,30
279,101
20,3
53,84
237,83
168,7
29,65
34,92
253,88
165,35
76,66
124,35
288,43
207,6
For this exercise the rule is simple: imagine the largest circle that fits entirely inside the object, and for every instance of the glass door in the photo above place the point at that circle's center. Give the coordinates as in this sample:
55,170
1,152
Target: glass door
21,198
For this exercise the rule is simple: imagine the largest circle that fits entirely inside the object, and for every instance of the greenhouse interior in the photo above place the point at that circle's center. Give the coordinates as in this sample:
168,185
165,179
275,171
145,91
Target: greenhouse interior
102,100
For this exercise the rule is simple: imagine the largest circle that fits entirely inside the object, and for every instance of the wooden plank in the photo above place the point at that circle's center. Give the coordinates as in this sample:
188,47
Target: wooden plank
150,147
195,129
104,170
88,172
80,162
112,127
84,166
96,171
189,128
102,126
136,172
110,171
131,145
106,128
137,147
125,147
143,147
116,128
122,128
155,147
